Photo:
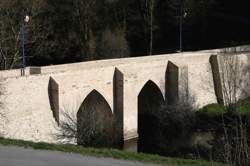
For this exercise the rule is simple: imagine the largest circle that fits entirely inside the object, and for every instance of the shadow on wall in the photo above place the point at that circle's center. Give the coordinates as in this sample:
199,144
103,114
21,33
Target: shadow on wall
172,83
53,92
118,93
92,126
95,122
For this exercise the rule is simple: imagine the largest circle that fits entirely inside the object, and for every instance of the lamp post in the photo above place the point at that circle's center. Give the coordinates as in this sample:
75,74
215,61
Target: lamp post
25,21
182,15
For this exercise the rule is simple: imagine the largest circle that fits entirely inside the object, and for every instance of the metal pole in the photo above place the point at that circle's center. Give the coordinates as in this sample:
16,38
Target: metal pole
180,33
181,17
23,51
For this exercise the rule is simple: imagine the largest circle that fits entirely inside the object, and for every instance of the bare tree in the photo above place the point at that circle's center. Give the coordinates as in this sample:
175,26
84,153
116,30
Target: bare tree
67,131
11,27
230,78
233,79
235,141
232,144
9,36
85,128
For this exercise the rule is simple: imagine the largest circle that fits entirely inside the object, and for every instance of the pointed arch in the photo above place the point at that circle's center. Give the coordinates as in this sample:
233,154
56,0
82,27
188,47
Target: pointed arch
96,98
95,122
151,95
150,100
153,84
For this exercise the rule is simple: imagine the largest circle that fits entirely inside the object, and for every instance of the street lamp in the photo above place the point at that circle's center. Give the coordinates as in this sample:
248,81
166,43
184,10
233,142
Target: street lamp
182,15
25,21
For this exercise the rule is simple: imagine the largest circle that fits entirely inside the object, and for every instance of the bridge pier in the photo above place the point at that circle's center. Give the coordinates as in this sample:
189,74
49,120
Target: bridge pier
131,145
130,141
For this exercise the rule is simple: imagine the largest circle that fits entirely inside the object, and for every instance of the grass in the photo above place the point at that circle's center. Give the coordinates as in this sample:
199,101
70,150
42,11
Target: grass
242,107
111,153
213,109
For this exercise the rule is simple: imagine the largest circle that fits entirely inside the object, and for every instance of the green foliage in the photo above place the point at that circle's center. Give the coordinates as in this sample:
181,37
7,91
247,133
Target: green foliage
242,107
213,108
116,154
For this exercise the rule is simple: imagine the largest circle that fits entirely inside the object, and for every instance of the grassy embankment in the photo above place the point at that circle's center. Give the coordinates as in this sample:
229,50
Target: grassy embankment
111,153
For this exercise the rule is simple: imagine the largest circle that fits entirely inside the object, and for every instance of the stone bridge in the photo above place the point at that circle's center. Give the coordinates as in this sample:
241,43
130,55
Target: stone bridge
33,104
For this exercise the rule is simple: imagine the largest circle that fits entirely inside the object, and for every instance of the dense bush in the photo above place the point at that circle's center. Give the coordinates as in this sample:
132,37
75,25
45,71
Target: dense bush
176,123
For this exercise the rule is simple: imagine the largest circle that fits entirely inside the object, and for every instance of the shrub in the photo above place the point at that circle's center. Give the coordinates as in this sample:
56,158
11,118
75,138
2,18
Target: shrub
176,123
87,130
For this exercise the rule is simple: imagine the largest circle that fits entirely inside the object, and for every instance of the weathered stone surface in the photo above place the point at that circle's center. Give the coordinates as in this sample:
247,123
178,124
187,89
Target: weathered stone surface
30,113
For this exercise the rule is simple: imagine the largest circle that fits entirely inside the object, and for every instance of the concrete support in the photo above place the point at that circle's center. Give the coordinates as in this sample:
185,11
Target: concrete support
118,97
176,83
214,61
53,91
172,83
131,145
128,140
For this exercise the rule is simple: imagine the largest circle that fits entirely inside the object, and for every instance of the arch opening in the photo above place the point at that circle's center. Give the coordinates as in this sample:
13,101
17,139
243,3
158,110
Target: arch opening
150,100
95,122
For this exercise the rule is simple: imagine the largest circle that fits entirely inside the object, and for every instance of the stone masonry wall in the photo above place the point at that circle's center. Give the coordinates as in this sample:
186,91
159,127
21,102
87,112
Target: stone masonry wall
29,114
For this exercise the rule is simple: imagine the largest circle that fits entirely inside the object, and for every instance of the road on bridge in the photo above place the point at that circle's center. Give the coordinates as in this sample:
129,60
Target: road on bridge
16,156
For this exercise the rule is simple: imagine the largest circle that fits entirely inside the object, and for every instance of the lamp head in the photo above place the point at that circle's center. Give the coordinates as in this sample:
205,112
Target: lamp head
26,19
185,14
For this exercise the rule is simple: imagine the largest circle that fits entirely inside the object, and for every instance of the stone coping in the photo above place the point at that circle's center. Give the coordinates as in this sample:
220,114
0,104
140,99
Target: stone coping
177,57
